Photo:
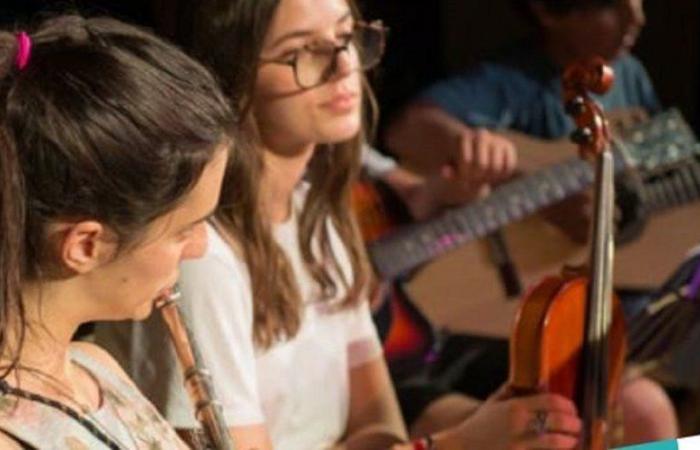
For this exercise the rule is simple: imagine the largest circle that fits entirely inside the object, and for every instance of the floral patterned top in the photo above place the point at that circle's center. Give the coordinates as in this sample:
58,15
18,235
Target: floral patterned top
125,416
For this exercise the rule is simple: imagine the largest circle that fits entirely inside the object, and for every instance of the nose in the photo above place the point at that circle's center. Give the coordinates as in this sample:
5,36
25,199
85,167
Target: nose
345,62
196,244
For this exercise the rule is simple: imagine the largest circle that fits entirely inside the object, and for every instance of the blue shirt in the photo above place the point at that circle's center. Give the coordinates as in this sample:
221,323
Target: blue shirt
522,91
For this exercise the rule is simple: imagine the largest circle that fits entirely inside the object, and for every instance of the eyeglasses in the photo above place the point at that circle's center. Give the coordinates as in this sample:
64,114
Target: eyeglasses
315,64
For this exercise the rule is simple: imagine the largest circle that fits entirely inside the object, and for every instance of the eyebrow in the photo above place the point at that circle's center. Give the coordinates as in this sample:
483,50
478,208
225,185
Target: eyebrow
304,33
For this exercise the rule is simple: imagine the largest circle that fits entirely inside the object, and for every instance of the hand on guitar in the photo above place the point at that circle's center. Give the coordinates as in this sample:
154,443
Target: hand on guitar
478,159
542,421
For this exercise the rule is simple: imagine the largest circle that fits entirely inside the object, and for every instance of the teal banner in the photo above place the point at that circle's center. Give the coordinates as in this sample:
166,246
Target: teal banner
661,445
686,443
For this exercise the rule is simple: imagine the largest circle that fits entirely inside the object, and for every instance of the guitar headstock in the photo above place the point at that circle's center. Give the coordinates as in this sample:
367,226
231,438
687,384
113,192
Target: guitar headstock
658,144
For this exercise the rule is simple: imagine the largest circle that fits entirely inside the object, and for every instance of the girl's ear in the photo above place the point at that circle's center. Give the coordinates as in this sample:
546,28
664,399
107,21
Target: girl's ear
83,246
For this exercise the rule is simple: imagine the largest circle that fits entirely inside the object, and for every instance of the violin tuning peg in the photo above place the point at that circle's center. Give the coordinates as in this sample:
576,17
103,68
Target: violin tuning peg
582,136
575,106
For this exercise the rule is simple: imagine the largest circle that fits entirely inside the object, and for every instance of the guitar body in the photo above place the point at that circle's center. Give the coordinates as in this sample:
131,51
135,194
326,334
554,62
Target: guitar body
407,336
462,290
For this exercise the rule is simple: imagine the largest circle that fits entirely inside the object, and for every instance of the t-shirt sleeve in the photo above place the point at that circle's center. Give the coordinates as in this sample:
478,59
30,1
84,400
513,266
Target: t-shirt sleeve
218,304
649,98
478,97
376,164
640,86
363,341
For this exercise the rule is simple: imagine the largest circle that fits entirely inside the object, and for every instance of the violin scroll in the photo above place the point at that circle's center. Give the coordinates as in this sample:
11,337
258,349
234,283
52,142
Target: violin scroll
592,133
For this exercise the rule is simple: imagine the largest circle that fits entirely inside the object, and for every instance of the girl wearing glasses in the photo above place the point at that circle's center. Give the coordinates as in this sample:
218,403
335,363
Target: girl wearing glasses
113,145
278,302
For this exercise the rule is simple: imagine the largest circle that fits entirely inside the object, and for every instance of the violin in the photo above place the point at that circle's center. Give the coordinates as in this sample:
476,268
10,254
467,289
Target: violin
569,335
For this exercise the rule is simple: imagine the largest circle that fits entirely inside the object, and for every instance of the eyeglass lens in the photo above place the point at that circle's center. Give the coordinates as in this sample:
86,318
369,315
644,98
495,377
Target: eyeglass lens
315,66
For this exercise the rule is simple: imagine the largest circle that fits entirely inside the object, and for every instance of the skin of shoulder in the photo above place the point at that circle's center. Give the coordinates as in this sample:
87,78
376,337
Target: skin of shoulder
103,357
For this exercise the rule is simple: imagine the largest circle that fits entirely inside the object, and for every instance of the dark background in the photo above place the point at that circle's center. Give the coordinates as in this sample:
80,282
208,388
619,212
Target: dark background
432,38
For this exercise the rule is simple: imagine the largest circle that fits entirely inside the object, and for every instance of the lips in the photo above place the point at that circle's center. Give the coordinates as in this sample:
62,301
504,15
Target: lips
341,102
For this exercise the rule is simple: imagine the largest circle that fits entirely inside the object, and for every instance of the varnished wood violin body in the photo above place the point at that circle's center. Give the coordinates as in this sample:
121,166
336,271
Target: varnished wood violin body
547,345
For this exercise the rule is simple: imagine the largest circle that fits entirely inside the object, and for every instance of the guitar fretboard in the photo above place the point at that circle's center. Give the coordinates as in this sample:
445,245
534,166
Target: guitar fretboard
417,244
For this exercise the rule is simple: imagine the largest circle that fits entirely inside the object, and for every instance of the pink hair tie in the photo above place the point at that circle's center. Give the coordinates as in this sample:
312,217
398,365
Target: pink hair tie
24,50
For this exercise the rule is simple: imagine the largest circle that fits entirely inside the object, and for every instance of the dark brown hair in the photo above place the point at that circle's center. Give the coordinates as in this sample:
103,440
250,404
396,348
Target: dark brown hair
228,36
106,122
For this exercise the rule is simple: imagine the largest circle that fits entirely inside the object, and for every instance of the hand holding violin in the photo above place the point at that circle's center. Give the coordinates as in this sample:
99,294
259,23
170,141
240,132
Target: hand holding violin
541,421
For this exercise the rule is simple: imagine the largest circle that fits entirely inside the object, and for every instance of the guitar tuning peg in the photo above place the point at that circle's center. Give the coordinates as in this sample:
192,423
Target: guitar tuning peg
576,106
582,136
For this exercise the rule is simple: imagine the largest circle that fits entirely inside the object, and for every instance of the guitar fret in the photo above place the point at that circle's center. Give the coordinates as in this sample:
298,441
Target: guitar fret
536,194
446,235
488,215
410,249
571,177
584,172
512,205
554,175
502,217
475,223
457,217
548,194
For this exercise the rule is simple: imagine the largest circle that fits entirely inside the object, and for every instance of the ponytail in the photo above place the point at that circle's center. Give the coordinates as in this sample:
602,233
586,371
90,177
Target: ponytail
12,205
12,224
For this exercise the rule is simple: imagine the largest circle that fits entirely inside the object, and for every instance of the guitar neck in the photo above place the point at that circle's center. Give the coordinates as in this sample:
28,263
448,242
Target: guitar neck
418,243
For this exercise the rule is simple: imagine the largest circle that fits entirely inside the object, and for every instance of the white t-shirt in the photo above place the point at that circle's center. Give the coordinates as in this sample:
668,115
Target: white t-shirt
376,164
299,389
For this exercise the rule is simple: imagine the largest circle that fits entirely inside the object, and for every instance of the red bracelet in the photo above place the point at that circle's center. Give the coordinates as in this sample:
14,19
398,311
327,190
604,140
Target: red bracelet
424,443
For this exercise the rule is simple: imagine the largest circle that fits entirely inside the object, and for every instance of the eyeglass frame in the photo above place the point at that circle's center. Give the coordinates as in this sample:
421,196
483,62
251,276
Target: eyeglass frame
336,50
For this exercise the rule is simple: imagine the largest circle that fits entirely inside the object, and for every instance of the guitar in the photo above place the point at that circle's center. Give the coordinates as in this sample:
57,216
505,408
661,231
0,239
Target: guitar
409,337
649,147
411,340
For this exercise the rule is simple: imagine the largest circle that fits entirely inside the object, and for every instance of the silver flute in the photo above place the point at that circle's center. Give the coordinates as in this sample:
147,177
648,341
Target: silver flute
208,412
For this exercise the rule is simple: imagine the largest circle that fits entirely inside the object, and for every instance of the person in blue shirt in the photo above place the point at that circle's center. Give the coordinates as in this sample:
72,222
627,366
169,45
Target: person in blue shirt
458,122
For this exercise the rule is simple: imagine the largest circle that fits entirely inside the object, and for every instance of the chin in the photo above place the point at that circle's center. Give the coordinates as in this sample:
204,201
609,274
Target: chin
341,131
142,312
